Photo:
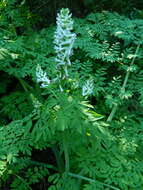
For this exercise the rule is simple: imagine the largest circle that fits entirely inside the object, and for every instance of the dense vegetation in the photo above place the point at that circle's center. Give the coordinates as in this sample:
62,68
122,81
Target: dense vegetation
71,95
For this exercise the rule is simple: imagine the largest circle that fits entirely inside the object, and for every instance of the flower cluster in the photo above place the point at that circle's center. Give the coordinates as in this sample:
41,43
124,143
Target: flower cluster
64,39
42,77
87,88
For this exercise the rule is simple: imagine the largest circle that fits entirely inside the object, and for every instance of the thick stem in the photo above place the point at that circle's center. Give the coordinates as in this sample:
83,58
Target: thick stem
59,160
114,109
66,153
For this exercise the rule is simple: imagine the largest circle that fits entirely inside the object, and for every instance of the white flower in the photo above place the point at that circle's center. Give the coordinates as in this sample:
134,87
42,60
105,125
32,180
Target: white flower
63,41
42,77
64,38
87,88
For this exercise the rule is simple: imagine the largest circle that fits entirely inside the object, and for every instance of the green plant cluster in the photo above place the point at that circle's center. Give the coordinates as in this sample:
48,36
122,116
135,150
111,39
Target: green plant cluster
82,130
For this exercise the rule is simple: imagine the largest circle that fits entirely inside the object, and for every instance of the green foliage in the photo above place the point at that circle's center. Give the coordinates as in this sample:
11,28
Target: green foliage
73,128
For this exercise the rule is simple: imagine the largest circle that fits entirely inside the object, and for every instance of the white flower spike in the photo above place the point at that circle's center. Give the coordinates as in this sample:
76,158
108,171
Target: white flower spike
64,39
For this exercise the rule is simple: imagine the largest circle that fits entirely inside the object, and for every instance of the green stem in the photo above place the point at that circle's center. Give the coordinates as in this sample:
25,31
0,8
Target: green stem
36,163
92,180
66,153
26,87
114,109
22,82
59,160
